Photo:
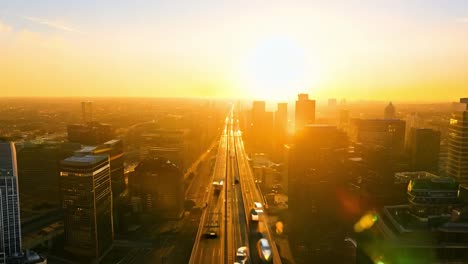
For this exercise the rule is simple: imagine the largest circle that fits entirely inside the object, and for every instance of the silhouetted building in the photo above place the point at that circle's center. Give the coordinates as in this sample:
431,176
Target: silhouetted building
92,133
389,112
305,111
315,171
10,224
332,102
281,126
39,169
258,128
457,162
87,204
389,134
158,185
424,149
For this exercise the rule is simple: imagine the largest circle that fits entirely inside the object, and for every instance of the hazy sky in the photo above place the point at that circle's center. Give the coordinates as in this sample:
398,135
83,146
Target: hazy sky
383,50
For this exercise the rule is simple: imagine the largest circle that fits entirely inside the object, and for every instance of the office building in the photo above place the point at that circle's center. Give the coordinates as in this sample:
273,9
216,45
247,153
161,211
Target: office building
159,185
10,224
424,149
305,111
114,150
87,205
315,170
457,160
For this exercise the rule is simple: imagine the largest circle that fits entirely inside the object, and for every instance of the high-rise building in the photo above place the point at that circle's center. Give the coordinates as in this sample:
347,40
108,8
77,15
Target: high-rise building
114,150
389,112
87,111
280,130
457,162
258,127
315,170
87,204
424,149
305,111
10,224
158,184
281,121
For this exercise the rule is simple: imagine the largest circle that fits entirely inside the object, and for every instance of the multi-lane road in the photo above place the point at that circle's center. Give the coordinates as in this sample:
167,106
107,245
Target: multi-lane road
226,222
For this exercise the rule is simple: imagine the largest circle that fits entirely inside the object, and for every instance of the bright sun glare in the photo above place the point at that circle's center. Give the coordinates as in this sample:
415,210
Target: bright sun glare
277,69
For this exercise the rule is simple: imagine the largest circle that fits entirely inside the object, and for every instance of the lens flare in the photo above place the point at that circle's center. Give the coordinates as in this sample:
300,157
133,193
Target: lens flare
366,222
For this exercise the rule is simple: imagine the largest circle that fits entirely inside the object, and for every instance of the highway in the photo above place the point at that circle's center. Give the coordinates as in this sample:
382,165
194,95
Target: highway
228,213
208,249
251,194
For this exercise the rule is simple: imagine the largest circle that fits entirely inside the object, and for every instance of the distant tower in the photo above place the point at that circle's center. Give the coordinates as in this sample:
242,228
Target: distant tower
87,111
87,205
305,111
389,112
10,224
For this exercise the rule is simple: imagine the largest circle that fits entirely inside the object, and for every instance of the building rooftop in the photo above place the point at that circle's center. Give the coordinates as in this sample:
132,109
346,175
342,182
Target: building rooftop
84,160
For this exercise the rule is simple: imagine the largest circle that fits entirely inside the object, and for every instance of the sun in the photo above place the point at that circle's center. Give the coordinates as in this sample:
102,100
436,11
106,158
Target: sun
277,69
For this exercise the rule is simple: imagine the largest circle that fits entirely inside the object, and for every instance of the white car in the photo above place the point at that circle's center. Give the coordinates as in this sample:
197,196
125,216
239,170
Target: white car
258,205
242,255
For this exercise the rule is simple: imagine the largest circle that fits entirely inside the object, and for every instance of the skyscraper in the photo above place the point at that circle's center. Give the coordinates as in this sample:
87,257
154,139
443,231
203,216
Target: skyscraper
280,131
87,203
389,112
10,225
113,149
457,163
281,120
315,171
305,111
87,111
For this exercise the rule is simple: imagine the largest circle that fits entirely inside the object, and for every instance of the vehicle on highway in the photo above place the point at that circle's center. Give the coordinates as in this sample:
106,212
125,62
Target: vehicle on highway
236,180
254,214
264,250
242,255
258,205
218,186
210,234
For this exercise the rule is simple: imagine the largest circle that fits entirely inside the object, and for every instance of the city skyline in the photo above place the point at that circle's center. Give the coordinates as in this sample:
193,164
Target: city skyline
367,50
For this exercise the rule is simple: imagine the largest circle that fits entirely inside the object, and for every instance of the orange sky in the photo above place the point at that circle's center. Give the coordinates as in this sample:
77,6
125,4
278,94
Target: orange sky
244,50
